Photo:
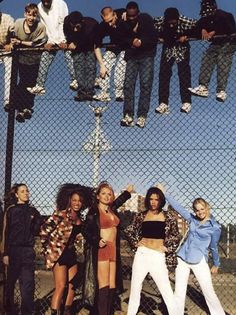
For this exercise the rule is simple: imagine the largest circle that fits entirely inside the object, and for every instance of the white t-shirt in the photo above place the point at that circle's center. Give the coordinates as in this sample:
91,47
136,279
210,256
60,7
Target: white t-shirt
53,20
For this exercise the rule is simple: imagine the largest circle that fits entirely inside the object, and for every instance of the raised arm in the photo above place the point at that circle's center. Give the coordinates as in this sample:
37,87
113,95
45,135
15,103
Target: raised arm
122,198
177,206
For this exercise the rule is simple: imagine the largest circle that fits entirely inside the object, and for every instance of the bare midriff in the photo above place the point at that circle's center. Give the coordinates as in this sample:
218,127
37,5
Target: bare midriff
109,234
152,243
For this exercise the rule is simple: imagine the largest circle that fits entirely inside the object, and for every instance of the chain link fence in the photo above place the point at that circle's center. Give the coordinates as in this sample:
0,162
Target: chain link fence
83,142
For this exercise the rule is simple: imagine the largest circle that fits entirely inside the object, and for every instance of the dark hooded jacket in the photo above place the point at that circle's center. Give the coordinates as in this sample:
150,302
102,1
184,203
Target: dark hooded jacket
223,23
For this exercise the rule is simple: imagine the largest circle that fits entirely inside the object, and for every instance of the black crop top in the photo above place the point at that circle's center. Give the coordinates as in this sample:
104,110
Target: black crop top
153,229
75,231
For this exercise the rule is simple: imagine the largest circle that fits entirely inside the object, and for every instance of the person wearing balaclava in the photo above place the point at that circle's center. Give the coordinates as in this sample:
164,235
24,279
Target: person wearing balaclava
6,32
80,35
172,30
140,40
217,26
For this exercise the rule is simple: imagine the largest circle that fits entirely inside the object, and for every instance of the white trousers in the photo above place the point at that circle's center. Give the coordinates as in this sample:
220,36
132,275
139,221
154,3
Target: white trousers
203,275
150,261
110,60
7,62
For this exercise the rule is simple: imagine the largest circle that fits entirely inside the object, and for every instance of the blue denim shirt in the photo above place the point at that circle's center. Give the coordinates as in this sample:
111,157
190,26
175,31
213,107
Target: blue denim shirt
201,237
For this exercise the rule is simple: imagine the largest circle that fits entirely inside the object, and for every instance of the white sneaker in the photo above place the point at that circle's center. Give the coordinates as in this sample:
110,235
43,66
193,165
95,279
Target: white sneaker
119,96
74,85
162,109
103,97
97,83
200,90
221,96
141,122
127,121
186,108
37,90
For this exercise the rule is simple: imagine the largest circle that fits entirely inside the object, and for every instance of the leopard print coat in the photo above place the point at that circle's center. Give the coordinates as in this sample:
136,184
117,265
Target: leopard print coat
172,236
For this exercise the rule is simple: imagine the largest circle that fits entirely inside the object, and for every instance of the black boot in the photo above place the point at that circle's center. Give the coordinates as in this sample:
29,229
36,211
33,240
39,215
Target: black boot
110,301
103,296
55,312
67,310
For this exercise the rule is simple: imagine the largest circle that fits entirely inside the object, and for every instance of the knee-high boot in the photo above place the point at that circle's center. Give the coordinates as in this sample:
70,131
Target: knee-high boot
103,296
55,312
110,301
67,310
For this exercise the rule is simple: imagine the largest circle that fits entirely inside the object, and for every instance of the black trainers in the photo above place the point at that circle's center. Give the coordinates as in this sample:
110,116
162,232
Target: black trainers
7,108
27,113
20,117
80,98
89,97
119,99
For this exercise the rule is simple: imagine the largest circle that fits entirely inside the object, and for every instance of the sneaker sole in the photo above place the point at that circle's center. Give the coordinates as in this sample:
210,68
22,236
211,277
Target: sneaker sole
38,94
119,99
102,100
123,124
185,111
195,94
73,88
162,113
141,127
220,100
20,120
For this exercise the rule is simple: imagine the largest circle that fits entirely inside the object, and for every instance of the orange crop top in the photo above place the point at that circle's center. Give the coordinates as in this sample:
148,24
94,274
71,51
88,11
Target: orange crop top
108,220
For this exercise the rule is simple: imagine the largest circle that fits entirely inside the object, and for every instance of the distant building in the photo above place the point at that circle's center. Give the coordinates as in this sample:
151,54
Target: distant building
134,204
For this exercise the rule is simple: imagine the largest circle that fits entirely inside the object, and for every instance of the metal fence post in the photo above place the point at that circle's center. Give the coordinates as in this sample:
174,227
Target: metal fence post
8,164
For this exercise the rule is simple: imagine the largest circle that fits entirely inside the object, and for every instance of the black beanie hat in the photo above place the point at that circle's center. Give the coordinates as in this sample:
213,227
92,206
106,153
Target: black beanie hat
132,5
208,7
171,14
76,17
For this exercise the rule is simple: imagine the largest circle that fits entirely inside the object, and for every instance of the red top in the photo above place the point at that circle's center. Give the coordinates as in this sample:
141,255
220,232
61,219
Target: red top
108,220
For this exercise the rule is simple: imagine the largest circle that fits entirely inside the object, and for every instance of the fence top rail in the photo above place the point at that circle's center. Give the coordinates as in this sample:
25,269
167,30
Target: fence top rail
107,45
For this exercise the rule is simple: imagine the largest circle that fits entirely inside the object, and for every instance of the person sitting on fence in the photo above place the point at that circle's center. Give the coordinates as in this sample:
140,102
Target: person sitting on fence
204,233
52,14
155,237
29,32
113,57
80,35
6,32
59,233
172,30
140,40
102,232
21,224
217,26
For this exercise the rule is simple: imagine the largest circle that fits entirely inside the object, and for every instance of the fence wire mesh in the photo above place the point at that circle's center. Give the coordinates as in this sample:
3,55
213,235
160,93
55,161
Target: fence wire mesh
83,142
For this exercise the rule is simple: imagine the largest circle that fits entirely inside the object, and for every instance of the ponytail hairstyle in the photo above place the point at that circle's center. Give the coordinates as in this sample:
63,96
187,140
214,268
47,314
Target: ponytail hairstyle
10,198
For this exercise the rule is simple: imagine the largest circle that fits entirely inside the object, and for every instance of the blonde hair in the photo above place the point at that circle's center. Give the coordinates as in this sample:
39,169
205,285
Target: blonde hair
202,202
